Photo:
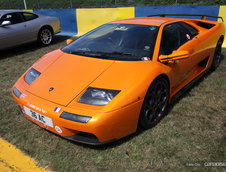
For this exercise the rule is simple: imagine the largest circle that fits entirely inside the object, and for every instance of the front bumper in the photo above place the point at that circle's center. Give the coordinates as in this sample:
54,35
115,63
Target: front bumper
104,127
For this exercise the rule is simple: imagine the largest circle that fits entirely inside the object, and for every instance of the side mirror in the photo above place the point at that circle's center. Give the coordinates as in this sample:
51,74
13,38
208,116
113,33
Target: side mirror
6,22
176,55
68,41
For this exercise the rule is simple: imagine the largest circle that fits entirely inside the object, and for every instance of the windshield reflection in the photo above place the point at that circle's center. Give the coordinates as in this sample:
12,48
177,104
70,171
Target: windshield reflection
116,42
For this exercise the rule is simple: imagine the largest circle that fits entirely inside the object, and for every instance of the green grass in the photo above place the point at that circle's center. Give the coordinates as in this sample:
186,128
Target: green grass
192,132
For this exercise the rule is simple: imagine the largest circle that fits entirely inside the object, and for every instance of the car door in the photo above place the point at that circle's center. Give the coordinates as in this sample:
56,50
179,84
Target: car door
13,33
176,36
32,25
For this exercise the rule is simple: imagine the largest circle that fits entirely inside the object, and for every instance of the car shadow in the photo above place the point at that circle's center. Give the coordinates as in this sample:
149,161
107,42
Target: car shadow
28,47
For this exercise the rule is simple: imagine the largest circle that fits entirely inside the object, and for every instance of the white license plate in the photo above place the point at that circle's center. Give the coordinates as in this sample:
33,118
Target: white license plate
38,117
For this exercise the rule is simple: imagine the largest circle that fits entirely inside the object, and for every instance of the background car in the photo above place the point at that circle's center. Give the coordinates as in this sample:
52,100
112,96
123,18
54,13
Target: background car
122,75
19,27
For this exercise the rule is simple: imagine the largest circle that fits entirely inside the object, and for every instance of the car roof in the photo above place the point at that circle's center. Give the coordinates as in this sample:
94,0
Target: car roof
2,12
155,21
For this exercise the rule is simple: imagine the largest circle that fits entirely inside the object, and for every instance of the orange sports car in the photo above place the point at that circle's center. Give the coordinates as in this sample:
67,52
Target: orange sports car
121,75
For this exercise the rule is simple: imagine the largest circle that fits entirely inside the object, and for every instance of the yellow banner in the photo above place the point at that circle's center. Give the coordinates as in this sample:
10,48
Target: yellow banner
88,19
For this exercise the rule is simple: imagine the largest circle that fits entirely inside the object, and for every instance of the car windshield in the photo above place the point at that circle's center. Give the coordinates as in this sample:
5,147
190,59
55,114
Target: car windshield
116,42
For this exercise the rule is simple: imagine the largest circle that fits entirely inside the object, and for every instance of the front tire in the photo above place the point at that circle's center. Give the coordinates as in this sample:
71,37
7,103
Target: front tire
217,55
155,103
45,36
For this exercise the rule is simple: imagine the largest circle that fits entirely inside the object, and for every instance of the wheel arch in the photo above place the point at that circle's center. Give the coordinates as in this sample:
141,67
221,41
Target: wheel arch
46,26
165,77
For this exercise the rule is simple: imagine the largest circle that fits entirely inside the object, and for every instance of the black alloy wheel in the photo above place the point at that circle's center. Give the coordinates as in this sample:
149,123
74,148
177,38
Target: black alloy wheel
217,55
155,103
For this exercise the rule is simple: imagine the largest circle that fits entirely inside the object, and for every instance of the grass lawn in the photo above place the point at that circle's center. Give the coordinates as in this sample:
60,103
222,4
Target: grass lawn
193,132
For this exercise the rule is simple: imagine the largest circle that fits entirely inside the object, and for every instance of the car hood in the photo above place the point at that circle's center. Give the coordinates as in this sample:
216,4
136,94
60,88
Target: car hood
67,77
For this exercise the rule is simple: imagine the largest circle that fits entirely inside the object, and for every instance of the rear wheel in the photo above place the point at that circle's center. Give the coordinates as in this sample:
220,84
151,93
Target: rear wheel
155,103
45,36
217,55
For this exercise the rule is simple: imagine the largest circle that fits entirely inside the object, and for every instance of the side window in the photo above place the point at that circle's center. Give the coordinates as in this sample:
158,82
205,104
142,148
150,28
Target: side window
185,36
170,39
29,16
174,35
191,31
6,17
14,18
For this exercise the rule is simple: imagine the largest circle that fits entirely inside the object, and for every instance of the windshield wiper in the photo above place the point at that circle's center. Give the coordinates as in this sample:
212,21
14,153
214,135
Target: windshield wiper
100,54
88,53
113,53
78,52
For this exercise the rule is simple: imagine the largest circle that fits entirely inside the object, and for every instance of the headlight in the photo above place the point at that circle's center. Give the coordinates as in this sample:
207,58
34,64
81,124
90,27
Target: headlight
16,92
97,96
31,75
75,117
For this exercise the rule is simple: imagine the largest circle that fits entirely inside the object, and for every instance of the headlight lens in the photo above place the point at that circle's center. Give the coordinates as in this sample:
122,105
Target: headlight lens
75,117
97,96
31,75
16,92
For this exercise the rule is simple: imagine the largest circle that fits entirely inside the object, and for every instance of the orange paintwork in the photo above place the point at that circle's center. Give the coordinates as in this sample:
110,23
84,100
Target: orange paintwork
71,75
68,41
176,55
